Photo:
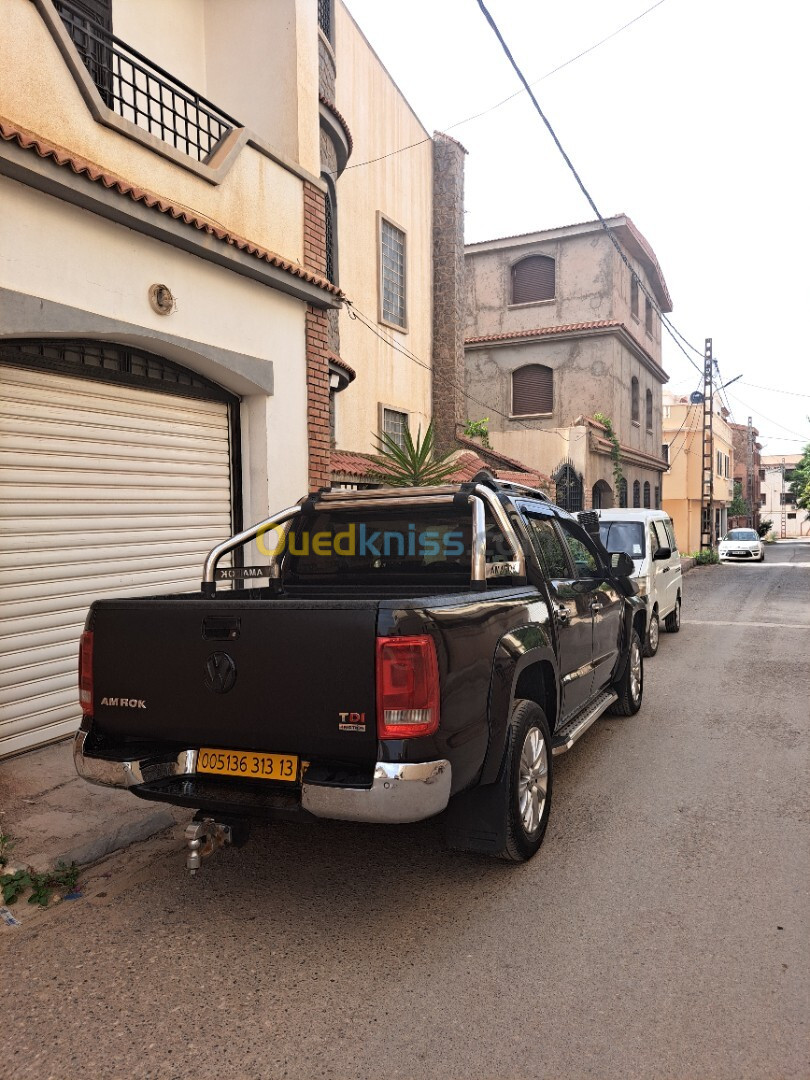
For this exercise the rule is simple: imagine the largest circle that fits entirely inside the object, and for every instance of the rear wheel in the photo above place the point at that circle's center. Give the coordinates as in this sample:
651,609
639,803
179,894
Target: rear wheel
673,620
653,635
630,686
528,788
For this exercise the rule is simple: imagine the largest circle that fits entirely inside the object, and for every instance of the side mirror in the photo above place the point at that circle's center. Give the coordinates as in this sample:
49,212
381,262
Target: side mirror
621,564
662,554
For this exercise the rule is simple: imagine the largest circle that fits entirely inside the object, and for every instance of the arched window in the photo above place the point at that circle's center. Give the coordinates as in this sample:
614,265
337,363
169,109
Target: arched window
533,280
623,492
601,496
568,489
657,497
532,390
636,495
648,410
646,494
634,400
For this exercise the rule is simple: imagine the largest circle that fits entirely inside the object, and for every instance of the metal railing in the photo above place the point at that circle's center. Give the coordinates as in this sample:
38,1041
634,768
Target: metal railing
140,91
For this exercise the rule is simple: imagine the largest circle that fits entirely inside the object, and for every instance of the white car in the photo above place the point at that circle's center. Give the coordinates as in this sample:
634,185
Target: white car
648,537
741,545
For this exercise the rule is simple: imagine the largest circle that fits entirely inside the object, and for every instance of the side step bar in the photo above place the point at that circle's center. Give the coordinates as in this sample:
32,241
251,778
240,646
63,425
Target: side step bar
568,734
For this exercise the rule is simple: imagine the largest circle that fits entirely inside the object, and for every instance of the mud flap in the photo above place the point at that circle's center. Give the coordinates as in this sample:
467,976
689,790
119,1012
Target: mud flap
475,820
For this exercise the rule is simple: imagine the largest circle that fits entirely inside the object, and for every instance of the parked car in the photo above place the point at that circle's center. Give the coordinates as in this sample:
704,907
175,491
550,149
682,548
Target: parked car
741,545
648,536
414,651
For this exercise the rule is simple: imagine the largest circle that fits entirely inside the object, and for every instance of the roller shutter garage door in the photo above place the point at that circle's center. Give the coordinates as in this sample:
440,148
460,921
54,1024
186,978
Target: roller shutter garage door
108,489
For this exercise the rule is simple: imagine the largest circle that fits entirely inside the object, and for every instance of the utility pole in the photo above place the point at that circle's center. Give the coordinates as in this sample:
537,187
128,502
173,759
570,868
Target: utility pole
707,495
750,484
783,508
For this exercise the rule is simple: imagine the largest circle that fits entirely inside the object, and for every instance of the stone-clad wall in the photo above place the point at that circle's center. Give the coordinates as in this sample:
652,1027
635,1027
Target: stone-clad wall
448,288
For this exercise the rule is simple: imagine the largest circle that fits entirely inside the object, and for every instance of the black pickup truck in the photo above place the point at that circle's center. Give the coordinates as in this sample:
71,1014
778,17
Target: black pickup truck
397,654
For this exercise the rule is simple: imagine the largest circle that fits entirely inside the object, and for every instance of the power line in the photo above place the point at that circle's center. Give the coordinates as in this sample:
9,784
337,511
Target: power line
774,389
476,116
674,333
691,431
768,418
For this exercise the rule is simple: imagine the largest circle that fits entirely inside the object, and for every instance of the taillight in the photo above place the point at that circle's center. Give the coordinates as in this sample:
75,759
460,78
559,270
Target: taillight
407,687
86,672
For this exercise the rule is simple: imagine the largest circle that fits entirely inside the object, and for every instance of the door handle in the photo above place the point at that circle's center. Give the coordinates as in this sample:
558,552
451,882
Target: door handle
596,606
562,612
665,570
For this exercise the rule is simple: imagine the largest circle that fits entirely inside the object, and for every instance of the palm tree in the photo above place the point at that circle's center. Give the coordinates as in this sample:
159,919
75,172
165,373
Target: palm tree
413,465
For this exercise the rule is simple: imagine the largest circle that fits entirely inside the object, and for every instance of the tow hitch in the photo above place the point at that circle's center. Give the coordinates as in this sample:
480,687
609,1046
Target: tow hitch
203,838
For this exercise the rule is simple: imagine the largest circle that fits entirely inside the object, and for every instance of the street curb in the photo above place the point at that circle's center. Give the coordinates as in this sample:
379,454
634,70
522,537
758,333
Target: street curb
687,562
106,842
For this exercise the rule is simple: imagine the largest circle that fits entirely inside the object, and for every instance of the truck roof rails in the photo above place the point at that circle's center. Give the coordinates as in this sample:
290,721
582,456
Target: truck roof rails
488,480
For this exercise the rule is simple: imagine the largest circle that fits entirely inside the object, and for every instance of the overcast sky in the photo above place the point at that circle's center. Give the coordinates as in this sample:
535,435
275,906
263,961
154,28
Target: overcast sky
692,121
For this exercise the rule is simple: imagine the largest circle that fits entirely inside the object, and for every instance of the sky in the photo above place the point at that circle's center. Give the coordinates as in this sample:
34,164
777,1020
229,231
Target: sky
692,121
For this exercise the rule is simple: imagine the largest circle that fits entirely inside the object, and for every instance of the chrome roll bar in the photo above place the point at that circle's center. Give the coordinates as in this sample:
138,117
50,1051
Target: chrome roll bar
480,499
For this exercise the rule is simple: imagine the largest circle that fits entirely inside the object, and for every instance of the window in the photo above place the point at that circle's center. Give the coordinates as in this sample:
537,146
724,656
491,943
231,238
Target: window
548,546
669,528
636,495
719,463
761,474
726,468
568,490
392,274
330,212
634,400
787,498
623,492
791,517
394,424
325,19
623,536
647,495
648,410
654,541
657,498
633,295
665,452
533,280
585,559
532,390
648,315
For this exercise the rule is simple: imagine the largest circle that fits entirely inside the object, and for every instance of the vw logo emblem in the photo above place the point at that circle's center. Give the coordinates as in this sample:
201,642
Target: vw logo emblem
220,673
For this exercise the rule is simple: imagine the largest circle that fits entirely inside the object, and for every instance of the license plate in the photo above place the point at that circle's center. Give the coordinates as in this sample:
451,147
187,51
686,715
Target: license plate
248,765
740,553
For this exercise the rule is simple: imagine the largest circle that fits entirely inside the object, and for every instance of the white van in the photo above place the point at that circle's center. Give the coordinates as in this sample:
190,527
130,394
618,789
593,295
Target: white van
648,537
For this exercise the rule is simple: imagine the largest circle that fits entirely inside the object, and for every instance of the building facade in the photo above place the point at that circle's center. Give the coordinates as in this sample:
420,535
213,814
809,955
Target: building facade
748,471
777,501
683,482
180,229
563,355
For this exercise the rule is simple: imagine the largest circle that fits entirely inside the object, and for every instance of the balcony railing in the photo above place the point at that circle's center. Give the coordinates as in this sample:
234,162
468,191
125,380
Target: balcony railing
140,91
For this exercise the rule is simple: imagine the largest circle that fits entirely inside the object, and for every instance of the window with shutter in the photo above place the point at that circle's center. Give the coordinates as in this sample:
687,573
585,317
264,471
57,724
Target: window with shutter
633,294
646,494
634,399
532,390
649,410
533,279
636,495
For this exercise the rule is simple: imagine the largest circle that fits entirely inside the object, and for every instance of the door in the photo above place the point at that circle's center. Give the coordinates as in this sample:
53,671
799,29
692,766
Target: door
107,489
605,601
571,598
670,573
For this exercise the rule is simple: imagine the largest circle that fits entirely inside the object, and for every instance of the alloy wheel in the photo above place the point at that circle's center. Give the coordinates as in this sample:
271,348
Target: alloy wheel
533,781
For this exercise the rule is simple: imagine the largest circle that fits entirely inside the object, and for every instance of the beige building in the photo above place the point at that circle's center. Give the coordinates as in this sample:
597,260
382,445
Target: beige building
683,481
561,328
777,502
179,230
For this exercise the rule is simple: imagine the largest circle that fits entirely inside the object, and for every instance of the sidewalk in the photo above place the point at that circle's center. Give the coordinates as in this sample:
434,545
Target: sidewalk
54,816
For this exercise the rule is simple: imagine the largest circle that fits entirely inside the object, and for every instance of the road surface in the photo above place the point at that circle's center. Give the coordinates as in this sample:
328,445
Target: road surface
662,931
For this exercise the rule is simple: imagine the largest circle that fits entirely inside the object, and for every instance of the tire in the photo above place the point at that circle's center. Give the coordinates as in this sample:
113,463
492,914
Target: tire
528,782
673,621
630,686
653,637
762,557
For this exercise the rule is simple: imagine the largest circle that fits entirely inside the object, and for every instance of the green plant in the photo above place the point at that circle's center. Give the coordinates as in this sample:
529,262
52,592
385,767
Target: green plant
7,843
41,883
478,429
764,527
616,450
415,464
738,507
706,557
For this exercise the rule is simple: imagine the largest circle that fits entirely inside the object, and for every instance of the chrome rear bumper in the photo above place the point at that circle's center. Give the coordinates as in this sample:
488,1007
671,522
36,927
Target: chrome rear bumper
398,793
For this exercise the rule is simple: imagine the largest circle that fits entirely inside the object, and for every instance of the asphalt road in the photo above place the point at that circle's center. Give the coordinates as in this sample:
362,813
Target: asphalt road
662,931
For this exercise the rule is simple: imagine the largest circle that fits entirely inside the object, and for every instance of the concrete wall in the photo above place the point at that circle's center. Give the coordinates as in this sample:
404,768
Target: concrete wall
400,188
788,519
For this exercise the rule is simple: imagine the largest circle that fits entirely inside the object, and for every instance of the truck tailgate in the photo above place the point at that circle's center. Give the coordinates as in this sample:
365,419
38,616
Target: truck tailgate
288,677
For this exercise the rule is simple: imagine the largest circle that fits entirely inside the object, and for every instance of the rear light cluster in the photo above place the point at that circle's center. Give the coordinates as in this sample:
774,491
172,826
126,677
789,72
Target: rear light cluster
86,673
407,687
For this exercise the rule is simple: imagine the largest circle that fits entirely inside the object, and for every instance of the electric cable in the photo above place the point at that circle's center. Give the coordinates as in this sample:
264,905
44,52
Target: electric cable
674,333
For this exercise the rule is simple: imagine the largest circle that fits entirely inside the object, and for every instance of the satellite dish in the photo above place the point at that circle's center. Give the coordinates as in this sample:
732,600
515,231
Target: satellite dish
696,397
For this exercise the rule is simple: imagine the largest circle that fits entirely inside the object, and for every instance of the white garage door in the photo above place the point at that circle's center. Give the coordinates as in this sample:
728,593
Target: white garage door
107,490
